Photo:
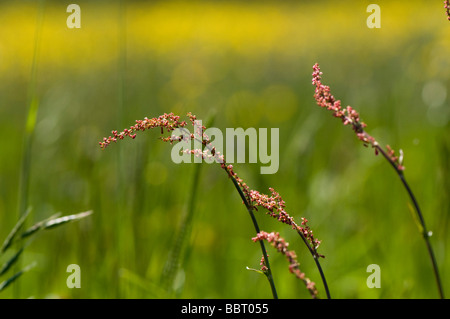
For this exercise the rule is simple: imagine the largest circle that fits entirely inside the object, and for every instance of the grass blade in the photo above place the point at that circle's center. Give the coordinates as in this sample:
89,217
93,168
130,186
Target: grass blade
33,229
65,219
9,239
13,278
10,262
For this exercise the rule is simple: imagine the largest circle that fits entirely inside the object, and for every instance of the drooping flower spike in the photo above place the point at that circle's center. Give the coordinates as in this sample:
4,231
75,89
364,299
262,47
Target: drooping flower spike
348,115
294,267
251,198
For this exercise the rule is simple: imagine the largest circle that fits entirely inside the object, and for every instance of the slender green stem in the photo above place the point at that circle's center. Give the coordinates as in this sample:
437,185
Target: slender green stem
425,232
316,260
263,248
269,272
255,223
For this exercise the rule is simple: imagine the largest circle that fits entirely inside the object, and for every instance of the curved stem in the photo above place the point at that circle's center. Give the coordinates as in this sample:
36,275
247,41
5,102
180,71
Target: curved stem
316,260
268,273
263,248
425,232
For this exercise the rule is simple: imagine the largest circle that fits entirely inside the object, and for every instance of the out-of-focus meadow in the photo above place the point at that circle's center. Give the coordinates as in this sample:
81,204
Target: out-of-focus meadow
248,64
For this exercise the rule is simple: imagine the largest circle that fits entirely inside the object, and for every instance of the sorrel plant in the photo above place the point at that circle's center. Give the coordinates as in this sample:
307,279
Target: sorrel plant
349,116
252,199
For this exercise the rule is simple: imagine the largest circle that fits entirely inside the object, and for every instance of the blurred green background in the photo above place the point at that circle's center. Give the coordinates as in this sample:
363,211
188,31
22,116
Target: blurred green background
250,65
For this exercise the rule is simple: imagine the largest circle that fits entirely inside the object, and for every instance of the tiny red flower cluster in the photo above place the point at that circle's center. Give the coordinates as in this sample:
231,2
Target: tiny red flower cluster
326,100
294,267
168,121
263,265
397,160
245,189
348,115
275,206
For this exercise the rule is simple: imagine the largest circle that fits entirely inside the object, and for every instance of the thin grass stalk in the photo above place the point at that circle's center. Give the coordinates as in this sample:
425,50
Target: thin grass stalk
13,278
256,226
171,122
268,273
425,233
316,260
12,238
348,115
38,226
10,262
12,234
281,246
